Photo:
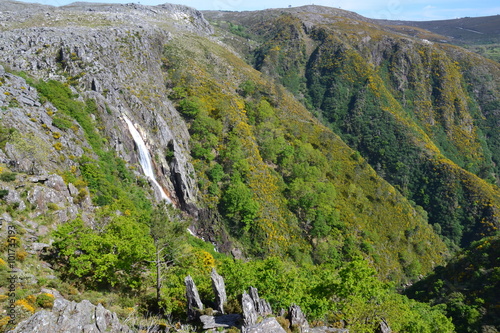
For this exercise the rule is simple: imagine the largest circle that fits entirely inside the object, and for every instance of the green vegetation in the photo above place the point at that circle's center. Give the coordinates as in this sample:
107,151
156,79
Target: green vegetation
345,164
422,97
466,287
285,184
352,295
238,30
63,99
5,135
108,178
491,51
62,123
116,255
168,231
8,176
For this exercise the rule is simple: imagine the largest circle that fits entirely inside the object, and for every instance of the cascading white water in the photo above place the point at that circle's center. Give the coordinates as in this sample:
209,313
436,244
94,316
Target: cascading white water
145,159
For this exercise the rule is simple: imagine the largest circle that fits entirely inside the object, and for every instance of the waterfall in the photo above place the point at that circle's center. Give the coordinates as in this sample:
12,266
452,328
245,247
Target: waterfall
145,159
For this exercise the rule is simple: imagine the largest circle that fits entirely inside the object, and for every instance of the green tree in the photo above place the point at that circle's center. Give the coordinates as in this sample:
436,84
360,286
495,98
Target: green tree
313,203
191,106
168,230
115,256
247,88
238,203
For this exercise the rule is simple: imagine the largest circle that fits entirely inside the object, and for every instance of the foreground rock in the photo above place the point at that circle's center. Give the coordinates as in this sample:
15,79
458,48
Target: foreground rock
254,307
249,311
262,306
298,319
383,327
224,321
194,304
325,329
219,288
268,325
69,316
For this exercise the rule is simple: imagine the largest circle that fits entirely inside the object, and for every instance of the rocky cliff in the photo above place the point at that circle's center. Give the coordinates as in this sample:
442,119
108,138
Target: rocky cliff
105,59
73,317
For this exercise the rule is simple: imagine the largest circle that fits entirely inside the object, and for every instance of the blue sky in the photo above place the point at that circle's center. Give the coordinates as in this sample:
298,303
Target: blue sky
384,9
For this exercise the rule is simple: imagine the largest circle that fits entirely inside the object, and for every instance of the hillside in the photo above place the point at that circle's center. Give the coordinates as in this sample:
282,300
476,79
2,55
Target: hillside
307,150
374,88
479,34
464,30
467,286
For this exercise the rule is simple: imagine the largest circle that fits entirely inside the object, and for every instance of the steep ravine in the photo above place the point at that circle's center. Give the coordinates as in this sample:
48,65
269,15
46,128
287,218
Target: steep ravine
421,113
130,59
109,64
251,161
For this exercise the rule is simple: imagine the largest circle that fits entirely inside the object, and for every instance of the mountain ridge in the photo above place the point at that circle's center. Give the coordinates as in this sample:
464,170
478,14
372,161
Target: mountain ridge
473,30
376,44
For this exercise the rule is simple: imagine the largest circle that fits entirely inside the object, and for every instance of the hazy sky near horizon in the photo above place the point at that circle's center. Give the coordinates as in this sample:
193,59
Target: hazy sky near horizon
381,9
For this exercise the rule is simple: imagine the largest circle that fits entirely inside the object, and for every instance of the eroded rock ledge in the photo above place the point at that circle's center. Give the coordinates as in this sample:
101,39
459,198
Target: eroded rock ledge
69,316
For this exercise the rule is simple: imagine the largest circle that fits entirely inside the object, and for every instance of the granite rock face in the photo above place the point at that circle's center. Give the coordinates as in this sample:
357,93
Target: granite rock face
249,311
108,65
31,147
69,316
194,304
324,329
298,319
254,307
262,307
268,325
224,321
219,288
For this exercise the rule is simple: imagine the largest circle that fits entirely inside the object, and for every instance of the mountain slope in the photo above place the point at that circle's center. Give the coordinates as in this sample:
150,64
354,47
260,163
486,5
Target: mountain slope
325,158
461,31
269,176
479,34
467,285
419,112
283,143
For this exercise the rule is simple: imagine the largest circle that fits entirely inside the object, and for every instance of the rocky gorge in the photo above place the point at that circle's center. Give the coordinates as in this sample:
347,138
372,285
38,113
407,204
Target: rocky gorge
327,159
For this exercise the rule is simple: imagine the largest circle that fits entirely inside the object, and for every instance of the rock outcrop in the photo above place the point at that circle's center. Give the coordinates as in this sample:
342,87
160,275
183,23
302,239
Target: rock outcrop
325,329
257,312
268,325
298,319
69,316
383,327
194,304
35,146
224,321
249,311
262,307
254,307
219,288
108,66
